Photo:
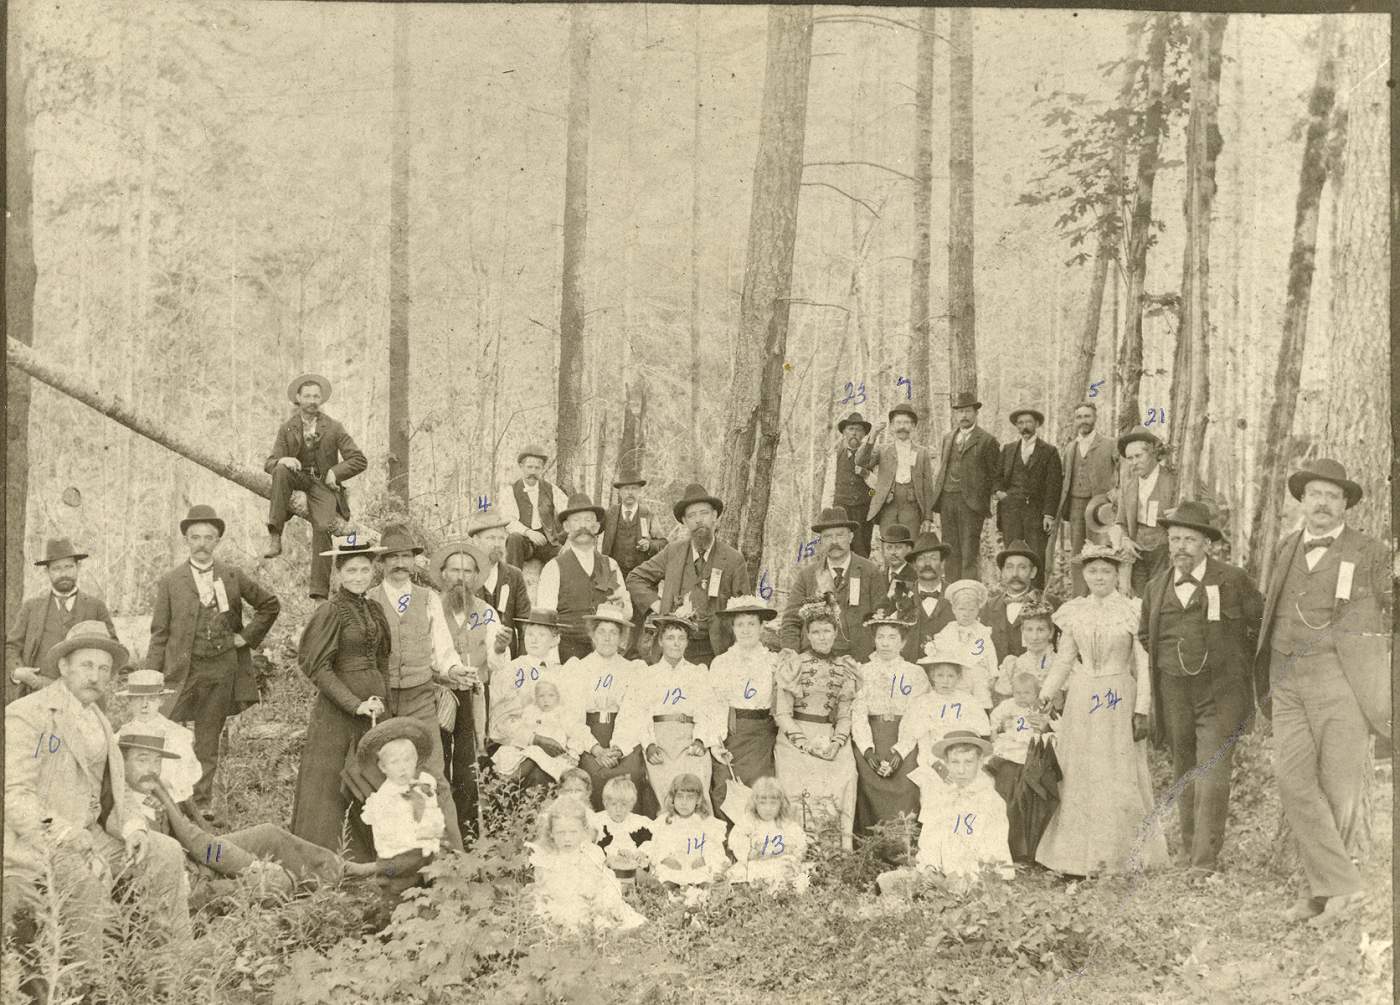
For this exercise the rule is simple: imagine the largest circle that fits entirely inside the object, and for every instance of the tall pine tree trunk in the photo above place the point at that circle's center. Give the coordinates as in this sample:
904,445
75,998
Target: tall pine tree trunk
751,421
399,294
919,305
1275,443
571,433
696,465
962,327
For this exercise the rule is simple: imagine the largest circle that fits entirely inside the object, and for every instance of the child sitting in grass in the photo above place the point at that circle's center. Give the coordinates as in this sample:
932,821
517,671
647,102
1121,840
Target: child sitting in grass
768,840
545,718
403,813
688,847
574,888
624,836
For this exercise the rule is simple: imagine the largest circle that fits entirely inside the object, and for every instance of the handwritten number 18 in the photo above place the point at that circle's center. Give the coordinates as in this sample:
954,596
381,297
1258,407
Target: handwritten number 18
963,823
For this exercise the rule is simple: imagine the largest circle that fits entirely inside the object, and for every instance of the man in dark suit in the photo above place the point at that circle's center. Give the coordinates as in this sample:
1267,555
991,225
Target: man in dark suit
701,573
502,585
201,643
856,585
1090,470
903,474
896,545
1148,492
45,621
313,454
629,537
844,484
962,495
926,606
1028,488
1322,669
1200,622
1019,563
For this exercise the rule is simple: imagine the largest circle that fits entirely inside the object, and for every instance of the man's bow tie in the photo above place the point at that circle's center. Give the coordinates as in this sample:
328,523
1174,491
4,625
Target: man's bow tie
1318,542
1183,580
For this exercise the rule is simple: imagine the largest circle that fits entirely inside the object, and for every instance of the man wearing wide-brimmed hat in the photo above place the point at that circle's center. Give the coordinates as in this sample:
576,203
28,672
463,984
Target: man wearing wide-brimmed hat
630,535
313,454
857,586
1323,669
579,578
66,797
1018,564
1091,468
926,606
45,620
845,482
701,571
1028,487
902,472
962,493
1146,497
203,645
1200,623
501,584
531,505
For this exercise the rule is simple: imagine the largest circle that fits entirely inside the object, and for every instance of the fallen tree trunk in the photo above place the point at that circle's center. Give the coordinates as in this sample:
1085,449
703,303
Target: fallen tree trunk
22,357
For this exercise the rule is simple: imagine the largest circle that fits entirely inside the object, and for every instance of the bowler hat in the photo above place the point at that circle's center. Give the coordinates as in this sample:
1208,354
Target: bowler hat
401,727
1100,514
155,744
202,514
833,516
1193,515
1138,434
903,409
1324,469
1035,414
84,635
1018,548
580,502
309,378
897,533
397,537
532,450
928,541
629,476
457,546
854,419
695,493
56,549
544,616
965,399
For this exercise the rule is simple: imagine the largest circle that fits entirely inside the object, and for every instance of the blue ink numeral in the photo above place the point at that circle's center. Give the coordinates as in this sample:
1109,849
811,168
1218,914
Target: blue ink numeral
904,688
604,682
764,590
1094,388
964,823
673,696
908,386
749,692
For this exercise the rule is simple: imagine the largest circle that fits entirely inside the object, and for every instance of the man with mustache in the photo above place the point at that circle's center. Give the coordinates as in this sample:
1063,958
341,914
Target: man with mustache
856,585
45,620
1145,498
698,574
501,585
201,643
1019,563
579,578
630,536
1028,487
422,657
903,474
68,810
1322,670
1090,470
845,485
532,506
313,454
927,607
962,495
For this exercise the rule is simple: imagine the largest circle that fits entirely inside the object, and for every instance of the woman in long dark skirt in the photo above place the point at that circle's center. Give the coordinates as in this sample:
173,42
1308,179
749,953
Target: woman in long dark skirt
343,651
743,680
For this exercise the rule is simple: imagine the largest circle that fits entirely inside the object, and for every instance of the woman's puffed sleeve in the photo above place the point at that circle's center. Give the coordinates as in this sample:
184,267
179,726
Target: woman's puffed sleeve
1064,662
316,657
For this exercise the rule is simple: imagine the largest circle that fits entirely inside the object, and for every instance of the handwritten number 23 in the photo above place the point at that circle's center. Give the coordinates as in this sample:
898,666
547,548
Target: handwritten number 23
854,396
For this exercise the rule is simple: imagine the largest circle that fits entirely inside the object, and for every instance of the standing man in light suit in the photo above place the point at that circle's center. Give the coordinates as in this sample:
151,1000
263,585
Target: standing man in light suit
1090,468
903,475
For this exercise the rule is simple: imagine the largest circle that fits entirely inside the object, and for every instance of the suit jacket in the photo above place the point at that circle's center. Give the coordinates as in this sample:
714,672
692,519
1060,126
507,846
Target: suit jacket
609,537
26,633
926,626
828,493
173,620
885,463
1230,642
44,779
1043,475
811,583
663,570
1132,508
1362,624
1102,462
978,477
517,603
336,451
1006,634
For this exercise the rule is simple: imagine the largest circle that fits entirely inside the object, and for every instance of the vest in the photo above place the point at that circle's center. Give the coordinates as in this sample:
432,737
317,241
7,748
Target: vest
57,624
953,481
849,491
470,636
212,636
1306,595
411,652
696,587
307,454
1079,486
624,541
549,523
1020,484
1183,627
579,593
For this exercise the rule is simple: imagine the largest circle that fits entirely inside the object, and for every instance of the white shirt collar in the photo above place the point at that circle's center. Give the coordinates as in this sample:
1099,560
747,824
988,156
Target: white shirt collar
1198,573
1084,437
66,596
490,581
843,565
406,588
1147,484
629,514
201,569
695,554
1332,532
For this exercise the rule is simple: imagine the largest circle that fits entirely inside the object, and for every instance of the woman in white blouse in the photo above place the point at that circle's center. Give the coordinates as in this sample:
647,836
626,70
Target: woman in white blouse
742,683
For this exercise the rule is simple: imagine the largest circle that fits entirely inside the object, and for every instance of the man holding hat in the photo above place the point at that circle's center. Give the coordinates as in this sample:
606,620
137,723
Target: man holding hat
45,620
1200,623
703,571
313,454
67,806
579,578
963,493
1028,487
202,644
1091,468
532,507
903,474
1019,564
929,610
1138,529
844,484
501,585
1323,670
856,585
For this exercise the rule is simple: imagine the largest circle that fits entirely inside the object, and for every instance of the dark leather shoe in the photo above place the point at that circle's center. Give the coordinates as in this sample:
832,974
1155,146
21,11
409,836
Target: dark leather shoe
274,546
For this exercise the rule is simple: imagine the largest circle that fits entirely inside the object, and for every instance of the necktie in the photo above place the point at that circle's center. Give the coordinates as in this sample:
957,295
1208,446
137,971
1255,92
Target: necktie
1186,579
417,799
838,579
65,602
699,568
1318,542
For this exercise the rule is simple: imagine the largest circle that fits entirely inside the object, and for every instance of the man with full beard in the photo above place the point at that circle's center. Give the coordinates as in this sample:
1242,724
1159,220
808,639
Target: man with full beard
501,585
578,579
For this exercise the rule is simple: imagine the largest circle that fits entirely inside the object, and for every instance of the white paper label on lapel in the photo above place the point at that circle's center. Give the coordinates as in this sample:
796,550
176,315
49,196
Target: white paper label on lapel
1344,573
644,527
221,594
505,598
854,584
1212,602
1149,516
714,582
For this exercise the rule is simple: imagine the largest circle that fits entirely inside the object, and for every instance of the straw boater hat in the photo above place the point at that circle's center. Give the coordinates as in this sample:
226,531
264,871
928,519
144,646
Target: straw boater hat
457,546
543,616
85,635
882,617
854,419
959,738
357,543
397,537
1138,434
1097,552
56,549
1035,414
1194,516
832,517
928,541
154,744
1100,514
1018,548
695,493
749,603
202,514
610,613
309,378
935,654
144,684
580,502
532,450
400,727
1324,469
953,589
903,409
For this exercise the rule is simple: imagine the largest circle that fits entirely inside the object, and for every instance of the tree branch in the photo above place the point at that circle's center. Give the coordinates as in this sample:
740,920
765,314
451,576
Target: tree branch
848,195
882,167
812,303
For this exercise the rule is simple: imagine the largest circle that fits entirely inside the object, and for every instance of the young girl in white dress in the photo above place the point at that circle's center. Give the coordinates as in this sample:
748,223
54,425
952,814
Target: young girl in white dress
574,888
971,639
768,840
687,851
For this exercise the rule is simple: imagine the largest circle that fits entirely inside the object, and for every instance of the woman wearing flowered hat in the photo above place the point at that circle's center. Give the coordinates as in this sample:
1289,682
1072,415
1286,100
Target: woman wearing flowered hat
888,683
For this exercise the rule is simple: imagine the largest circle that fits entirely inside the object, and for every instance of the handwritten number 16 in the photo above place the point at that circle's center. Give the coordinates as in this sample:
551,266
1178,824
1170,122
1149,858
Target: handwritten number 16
904,688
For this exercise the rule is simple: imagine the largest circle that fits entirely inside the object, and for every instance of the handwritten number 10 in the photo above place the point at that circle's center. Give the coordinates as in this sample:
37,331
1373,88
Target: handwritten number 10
603,682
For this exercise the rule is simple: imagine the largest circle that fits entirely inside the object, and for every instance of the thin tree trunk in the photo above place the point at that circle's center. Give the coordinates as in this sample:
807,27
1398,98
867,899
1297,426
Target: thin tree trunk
696,458
920,306
751,423
399,295
962,328
1077,385
571,308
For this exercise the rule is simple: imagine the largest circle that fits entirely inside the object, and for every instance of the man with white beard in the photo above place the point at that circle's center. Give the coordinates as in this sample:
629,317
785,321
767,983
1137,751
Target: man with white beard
578,579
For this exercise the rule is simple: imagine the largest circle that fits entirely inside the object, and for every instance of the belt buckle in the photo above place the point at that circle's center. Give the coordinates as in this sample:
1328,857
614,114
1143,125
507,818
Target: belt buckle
604,716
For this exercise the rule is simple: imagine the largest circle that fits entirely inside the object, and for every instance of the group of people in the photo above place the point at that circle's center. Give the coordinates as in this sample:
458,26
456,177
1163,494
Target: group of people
690,728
